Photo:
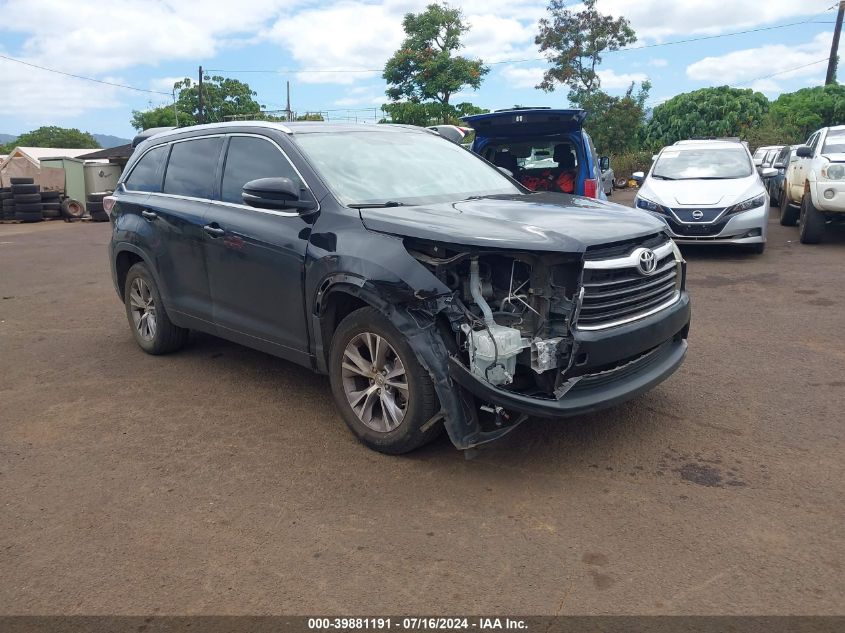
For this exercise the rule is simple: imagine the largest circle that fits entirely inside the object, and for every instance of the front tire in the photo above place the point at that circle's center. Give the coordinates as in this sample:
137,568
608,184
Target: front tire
151,327
811,222
382,391
788,213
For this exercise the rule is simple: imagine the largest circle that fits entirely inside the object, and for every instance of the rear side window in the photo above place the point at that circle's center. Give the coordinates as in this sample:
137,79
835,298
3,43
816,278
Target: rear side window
250,158
146,176
191,168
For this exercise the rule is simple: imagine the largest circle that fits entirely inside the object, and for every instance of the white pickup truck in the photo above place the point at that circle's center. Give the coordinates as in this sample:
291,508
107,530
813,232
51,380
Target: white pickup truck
814,185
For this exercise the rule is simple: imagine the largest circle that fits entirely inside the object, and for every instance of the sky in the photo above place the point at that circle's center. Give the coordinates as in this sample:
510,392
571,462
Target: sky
148,44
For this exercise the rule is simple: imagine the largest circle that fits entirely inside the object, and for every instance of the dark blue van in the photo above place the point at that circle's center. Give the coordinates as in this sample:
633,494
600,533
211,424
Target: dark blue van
544,149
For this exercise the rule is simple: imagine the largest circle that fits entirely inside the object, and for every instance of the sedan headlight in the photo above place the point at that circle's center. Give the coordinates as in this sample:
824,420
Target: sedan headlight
751,203
834,171
648,205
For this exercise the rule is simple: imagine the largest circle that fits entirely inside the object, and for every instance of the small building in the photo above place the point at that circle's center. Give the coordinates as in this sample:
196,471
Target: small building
26,162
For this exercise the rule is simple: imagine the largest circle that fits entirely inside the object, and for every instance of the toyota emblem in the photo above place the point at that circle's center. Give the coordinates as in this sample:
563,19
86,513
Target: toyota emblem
697,214
646,261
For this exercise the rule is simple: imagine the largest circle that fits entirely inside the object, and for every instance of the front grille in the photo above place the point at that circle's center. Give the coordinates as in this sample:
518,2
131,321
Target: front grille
705,215
695,230
615,291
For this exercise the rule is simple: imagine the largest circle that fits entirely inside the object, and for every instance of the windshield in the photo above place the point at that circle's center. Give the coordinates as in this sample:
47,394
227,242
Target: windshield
691,164
374,167
835,142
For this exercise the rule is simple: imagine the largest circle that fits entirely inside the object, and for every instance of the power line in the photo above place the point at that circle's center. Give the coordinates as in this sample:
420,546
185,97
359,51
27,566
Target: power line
751,81
781,72
286,71
99,81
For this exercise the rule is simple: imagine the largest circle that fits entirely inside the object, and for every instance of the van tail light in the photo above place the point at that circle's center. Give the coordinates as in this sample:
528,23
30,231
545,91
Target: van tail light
108,203
590,187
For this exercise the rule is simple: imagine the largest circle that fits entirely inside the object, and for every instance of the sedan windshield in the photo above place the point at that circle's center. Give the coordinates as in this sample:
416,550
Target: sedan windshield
389,168
835,142
703,163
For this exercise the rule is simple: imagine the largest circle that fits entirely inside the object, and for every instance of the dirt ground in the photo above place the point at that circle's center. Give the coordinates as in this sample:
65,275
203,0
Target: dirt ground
221,480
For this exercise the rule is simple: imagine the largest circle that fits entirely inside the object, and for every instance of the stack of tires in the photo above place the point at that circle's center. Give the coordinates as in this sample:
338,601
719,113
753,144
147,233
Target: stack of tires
51,204
27,197
94,204
7,204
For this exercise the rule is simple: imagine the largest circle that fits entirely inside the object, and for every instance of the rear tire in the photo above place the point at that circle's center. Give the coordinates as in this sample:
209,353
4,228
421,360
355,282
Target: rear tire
151,327
811,222
788,213
389,418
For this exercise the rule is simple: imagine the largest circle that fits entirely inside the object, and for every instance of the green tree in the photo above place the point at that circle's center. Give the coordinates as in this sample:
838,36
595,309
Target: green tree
705,113
424,114
616,123
426,67
802,112
53,136
164,116
222,98
574,43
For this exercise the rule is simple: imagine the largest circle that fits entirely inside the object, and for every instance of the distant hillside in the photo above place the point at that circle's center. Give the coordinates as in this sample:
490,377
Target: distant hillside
105,140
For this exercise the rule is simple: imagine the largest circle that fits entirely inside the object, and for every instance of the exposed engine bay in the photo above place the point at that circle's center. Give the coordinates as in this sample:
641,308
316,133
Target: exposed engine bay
517,313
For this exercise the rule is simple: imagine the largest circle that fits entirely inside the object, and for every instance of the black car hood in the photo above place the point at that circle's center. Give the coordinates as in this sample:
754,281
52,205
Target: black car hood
535,222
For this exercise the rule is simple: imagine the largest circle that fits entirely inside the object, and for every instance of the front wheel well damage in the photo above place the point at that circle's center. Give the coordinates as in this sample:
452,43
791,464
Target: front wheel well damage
333,309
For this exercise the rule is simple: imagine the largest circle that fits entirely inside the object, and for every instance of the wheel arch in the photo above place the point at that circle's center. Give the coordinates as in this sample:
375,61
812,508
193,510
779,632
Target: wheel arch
126,256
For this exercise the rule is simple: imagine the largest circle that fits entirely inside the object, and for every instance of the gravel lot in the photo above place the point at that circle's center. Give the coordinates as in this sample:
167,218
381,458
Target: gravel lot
221,480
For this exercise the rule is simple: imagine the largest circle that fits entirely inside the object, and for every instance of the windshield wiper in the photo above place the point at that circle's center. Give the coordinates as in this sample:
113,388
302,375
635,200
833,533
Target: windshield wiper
377,205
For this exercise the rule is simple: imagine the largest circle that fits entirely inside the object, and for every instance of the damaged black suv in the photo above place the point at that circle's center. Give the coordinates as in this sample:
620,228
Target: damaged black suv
434,290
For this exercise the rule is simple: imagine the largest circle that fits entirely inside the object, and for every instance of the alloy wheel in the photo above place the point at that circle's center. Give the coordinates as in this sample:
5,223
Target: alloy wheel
375,382
143,308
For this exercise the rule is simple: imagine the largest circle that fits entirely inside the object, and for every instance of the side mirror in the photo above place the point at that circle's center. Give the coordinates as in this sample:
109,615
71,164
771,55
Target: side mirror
802,151
638,177
505,171
758,162
779,165
604,163
768,172
274,193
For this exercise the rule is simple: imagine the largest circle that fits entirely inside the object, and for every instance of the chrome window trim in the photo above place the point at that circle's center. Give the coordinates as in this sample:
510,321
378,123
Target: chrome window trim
632,318
629,261
234,205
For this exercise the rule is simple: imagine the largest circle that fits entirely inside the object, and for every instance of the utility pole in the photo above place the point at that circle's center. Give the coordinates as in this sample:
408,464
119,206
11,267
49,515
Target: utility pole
288,113
201,116
834,46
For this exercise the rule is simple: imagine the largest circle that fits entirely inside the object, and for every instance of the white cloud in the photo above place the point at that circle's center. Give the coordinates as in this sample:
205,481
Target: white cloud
164,84
748,64
610,80
519,77
659,19
766,86
658,62
361,37
35,96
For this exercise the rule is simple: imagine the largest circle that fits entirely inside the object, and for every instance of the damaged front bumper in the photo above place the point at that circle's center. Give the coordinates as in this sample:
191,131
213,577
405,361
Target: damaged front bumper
617,364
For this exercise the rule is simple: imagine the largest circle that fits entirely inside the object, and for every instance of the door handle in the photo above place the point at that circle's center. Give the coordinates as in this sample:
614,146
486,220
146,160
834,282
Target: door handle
213,230
149,215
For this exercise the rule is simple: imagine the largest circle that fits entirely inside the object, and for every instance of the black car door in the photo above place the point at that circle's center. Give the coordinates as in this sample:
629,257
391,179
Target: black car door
178,213
256,256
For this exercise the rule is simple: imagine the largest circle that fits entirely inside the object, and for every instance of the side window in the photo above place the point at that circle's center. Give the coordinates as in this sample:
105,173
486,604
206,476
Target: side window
812,141
250,158
191,168
146,175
